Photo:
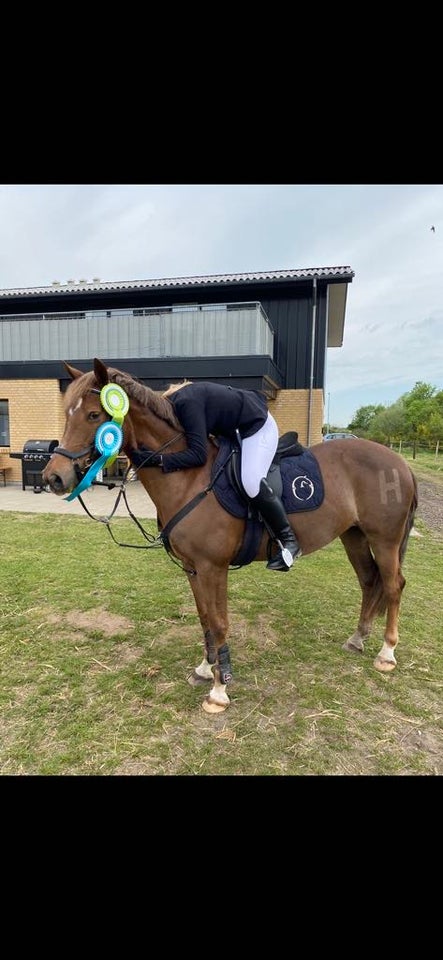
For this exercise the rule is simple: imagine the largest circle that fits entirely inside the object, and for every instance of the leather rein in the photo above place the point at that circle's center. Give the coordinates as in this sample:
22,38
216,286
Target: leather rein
162,538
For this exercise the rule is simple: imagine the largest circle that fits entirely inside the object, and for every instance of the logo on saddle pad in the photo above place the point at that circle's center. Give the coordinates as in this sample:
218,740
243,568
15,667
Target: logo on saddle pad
302,488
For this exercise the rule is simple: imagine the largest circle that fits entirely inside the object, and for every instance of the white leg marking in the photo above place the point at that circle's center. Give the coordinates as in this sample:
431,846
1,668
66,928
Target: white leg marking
218,694
204,670
387,653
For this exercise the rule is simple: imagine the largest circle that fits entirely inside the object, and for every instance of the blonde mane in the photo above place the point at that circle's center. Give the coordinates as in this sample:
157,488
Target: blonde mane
173,387
135,390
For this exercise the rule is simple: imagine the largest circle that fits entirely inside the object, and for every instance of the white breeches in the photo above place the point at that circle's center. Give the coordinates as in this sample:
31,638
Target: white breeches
257,455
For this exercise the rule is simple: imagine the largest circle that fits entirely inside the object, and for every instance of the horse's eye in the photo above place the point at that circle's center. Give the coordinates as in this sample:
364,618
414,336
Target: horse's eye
93,415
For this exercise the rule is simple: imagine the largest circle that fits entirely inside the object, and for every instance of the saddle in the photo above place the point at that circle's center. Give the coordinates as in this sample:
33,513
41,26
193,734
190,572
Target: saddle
288,446
294,476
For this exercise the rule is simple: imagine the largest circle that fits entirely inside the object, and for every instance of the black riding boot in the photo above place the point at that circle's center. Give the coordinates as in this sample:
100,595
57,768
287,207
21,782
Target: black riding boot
272,511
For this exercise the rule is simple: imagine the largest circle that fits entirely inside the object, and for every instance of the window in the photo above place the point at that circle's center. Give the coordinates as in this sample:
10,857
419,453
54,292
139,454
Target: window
4,423
185,307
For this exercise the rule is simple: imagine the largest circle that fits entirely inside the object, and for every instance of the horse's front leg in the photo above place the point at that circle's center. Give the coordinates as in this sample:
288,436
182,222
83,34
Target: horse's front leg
210,587
203,673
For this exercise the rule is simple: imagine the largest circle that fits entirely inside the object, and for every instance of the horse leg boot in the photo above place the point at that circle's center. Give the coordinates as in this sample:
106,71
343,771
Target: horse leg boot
273,513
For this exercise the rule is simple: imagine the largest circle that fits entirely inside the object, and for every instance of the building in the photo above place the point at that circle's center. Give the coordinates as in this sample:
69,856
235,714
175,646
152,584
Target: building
263,331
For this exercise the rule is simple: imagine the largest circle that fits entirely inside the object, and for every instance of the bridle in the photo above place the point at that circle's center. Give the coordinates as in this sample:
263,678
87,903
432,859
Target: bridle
108,440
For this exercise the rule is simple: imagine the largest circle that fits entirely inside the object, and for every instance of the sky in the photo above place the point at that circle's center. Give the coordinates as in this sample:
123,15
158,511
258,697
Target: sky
393,335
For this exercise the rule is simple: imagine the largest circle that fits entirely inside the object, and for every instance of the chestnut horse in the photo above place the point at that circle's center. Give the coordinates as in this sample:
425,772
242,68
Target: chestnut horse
370,499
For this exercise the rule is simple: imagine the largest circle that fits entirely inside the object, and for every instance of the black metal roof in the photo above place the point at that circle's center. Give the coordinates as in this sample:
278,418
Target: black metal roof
222,279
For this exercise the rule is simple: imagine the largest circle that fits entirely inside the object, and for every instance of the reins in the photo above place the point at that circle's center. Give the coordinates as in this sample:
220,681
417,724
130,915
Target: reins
153,541
162,539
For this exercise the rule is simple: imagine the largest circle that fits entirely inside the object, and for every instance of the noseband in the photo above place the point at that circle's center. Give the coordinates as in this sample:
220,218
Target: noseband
72,456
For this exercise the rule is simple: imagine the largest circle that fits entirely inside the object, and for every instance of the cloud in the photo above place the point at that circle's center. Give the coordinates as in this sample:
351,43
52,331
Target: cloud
394,317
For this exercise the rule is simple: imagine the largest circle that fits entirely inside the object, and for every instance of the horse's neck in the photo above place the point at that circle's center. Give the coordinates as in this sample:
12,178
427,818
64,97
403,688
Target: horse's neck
168,491
145,429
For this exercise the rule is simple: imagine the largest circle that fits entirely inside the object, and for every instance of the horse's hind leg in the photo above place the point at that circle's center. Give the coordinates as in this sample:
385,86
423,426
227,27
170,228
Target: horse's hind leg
360,556
382,582
388,561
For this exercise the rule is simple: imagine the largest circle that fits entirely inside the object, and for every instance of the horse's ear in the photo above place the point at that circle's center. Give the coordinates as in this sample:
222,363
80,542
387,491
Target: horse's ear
73,372
101,372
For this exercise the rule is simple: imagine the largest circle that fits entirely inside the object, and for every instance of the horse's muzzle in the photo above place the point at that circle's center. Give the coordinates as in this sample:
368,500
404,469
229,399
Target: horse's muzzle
61,475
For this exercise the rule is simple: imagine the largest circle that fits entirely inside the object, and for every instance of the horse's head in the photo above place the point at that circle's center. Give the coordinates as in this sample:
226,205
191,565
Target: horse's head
84,414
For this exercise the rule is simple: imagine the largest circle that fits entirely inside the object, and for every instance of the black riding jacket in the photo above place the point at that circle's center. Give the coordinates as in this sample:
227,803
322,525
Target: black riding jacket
204,408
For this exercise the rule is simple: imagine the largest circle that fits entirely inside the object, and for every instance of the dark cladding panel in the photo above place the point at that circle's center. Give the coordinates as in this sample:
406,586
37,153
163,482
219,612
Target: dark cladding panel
291,321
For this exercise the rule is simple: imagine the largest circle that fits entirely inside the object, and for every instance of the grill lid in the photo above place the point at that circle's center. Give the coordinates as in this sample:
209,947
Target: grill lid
40,446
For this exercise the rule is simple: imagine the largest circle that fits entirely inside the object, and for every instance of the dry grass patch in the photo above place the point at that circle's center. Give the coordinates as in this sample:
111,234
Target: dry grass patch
108,623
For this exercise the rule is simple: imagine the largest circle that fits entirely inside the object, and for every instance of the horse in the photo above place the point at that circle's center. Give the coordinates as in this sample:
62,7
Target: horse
370,500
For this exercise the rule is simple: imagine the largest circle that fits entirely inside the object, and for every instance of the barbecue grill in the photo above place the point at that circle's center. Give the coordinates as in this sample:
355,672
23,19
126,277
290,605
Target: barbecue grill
34,457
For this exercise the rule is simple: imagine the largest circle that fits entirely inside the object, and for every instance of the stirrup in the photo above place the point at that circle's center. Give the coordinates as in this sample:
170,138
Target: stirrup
284,559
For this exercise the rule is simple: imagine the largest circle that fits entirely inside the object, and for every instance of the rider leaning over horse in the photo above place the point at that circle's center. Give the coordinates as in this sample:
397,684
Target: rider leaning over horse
211,408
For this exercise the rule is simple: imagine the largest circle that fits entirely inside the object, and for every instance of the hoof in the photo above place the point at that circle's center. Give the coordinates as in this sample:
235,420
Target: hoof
210,707
384,666
354,646
195,680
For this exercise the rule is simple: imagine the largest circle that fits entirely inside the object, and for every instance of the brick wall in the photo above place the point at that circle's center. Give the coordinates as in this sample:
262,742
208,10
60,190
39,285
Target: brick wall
35,413
290,410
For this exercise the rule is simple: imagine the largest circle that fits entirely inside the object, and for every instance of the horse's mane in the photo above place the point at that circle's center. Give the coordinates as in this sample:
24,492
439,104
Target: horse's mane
135,390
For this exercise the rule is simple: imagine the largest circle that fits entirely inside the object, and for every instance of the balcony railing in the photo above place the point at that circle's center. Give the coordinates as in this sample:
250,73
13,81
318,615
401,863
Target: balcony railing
191,330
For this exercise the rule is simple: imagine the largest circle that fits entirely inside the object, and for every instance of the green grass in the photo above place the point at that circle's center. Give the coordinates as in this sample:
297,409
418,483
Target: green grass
425,464
97,643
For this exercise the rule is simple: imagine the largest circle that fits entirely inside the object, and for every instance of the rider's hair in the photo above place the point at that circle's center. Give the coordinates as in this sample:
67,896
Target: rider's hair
173,387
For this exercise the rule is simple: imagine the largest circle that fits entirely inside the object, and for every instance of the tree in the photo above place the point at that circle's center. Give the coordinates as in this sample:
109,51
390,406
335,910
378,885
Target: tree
419,405
415,415
389,424
434,427
364,416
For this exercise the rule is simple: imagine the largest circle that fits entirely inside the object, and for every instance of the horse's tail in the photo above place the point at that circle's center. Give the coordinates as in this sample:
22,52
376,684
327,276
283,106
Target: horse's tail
377,601
410,520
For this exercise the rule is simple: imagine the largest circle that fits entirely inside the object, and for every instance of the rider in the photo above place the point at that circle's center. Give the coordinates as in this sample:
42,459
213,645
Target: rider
205,408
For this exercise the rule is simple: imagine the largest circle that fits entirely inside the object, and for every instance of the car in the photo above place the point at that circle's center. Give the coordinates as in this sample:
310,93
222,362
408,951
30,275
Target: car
340,436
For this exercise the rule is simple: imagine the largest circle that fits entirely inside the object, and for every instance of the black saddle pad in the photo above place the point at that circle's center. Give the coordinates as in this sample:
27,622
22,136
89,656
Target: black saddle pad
303,487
